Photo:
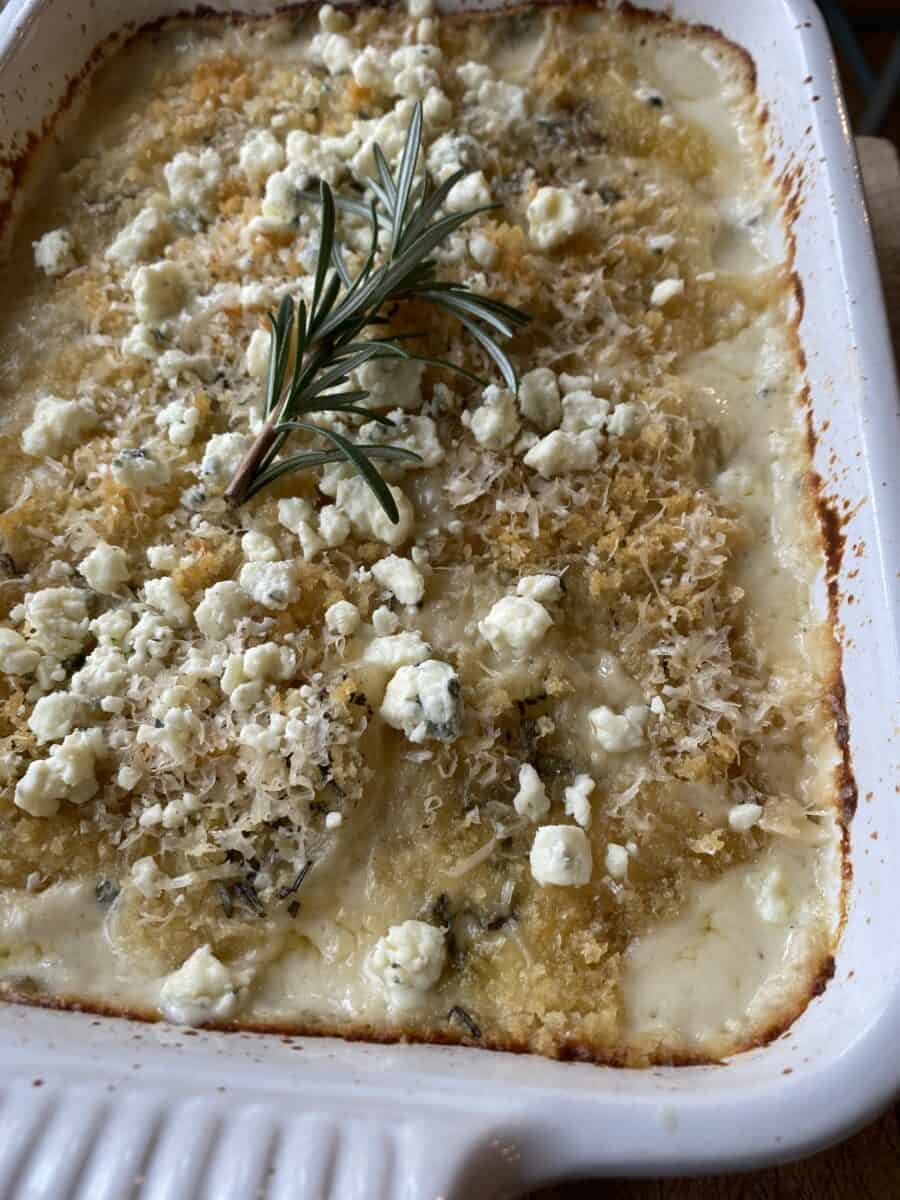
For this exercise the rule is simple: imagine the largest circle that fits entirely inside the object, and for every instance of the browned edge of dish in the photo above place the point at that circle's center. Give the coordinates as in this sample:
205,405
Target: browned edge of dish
831,523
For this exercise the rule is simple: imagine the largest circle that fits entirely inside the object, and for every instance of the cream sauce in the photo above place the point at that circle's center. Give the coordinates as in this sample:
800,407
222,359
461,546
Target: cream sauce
732,955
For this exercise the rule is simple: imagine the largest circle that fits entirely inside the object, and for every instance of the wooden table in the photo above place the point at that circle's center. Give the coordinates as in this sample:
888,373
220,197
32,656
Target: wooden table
867,1166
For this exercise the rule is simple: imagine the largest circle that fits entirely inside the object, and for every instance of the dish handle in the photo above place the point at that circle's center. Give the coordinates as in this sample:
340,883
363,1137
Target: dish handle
85,1142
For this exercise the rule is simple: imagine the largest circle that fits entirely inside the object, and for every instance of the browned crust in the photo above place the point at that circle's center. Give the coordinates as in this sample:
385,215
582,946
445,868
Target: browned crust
568,1050
831,524
19,161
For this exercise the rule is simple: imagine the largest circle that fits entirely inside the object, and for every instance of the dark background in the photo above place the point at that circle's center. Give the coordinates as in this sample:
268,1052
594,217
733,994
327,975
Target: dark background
866,34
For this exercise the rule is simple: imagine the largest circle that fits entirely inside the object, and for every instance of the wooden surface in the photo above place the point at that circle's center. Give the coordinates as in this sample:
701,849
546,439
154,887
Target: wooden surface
867,1166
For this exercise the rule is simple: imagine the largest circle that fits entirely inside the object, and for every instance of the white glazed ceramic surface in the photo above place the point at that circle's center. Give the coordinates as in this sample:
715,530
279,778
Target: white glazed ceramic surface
103,1109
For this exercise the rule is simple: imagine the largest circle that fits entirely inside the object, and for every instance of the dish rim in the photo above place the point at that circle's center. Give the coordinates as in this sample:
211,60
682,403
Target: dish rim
861,1060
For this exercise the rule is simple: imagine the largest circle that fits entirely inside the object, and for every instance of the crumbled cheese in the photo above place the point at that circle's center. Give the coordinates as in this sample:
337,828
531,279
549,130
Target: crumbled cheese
483,250
623,420
137,469
437,108
201,990
163,557
472,75
142,237
450,153
361,508
149,642
742,817
546,589
164,596
413,433
342,618
495,106
54,253
334,51
333,820
259,547
103,676
515,625
127,778
319,156
181,420
559,453
292,512
160,291
332,20
334,528
616,861
273,584
258,350
578,802
59,620
68,774
531,800
391,383
539,399
408,961
561,856
261,154
658,706
582,411
283,198
181,731
574,383
53,716
111,627
193,179
16,656
410,71
297,515
58,426
619,732
494,423
385,622
223,455
222,606
472,191
666,290
400,577
396,651
370,70
105,568
40,790
246,674
423,702
554,215
141,342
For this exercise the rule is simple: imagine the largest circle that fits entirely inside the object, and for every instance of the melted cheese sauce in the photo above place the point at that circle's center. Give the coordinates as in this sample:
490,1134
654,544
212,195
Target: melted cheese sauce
688,560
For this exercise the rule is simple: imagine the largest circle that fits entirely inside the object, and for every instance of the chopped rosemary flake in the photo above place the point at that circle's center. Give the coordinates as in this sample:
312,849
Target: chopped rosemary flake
460,1014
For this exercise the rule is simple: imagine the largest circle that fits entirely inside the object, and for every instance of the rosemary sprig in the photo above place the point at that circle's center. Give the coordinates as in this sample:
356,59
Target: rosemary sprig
314,349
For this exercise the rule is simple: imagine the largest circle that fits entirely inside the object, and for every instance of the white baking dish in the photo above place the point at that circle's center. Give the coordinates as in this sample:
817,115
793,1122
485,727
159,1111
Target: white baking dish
104,1108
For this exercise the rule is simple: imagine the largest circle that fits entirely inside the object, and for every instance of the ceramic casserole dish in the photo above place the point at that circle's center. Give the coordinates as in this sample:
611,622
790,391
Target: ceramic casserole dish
104,1108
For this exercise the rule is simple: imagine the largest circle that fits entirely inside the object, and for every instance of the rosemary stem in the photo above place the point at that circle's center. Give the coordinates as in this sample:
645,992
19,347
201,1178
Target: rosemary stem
236,492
